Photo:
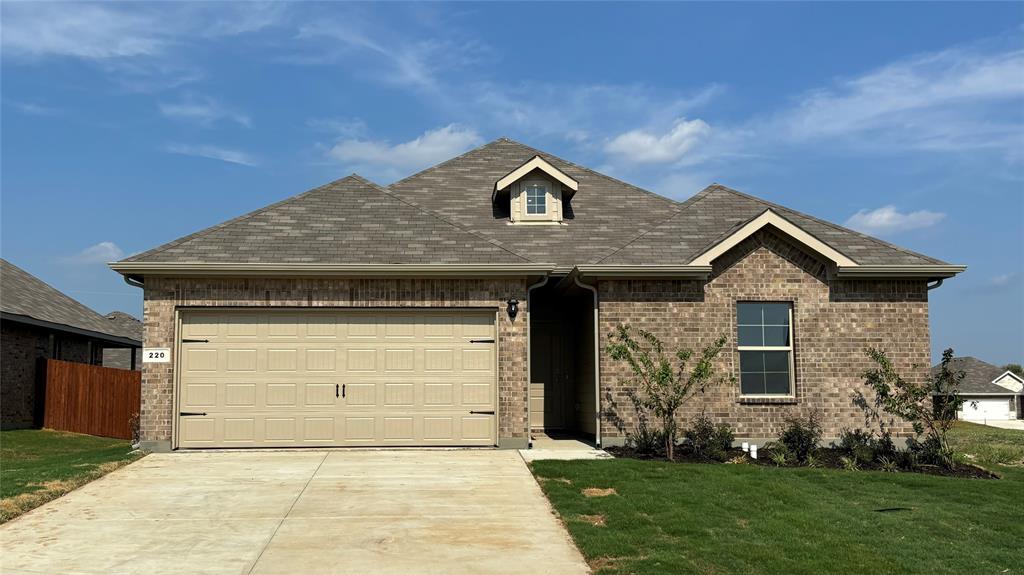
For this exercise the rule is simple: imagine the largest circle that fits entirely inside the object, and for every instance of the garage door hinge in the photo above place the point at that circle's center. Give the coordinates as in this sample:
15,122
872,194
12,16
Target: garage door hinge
195,341
481,341
187,413
482,412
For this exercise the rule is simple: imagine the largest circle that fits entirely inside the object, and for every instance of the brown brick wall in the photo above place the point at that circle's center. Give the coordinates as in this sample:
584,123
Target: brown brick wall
834,322
21,347
164,295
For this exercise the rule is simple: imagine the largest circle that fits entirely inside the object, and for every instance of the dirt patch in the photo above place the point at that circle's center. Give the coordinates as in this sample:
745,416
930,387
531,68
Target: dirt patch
556,480
595,520
598,492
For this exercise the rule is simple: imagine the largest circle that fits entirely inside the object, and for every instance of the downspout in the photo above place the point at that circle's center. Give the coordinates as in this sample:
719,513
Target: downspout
529,360
597,361
937,283
133,282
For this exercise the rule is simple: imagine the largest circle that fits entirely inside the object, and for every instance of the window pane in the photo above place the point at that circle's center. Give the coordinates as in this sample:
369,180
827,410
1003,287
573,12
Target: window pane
751,383
776,314
776,383
776,336
751,361
751,335
748,313
776,360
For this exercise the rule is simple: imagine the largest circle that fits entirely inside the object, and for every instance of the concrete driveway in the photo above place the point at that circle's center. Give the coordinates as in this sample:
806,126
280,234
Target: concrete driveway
299,512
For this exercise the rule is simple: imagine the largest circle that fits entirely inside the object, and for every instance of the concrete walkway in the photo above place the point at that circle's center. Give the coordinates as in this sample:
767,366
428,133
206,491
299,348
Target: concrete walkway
1004,424
468,511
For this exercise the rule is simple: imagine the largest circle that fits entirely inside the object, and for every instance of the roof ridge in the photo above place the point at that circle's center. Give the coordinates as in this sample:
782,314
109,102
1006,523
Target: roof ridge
245,216
448,161
823,222
458,226
682,207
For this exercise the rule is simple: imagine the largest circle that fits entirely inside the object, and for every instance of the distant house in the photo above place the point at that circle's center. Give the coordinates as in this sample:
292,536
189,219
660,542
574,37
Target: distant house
991,393
37,321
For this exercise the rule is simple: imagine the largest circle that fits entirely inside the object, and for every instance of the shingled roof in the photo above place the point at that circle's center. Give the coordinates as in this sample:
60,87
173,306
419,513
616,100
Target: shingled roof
445,215
26,298
350,220
978,376
706,218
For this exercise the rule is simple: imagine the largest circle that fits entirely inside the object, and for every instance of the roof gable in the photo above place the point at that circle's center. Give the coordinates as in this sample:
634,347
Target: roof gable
540,164
770,218
717,212
979,376
1010,381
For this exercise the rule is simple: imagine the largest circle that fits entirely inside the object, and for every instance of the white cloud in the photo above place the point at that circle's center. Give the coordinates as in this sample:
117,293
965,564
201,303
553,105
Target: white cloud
213,153
102,252
383,158
203,110
33,109
1002,280
643,147
888,219
89,31
950,100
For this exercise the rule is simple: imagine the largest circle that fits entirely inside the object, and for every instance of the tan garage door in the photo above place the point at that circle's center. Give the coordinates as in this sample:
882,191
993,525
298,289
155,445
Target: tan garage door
285,378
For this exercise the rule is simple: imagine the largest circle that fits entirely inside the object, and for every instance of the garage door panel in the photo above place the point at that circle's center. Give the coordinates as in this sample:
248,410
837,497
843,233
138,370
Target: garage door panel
410,378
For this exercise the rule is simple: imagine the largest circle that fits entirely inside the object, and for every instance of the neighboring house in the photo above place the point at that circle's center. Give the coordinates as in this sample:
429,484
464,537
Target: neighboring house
990,393
37,321
472,301
124,357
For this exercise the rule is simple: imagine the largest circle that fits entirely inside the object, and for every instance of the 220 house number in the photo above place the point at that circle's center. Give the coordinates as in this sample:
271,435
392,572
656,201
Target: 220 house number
156,355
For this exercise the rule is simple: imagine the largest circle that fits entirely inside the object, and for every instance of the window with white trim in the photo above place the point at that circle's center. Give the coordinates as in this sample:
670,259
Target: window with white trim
536,199
765,338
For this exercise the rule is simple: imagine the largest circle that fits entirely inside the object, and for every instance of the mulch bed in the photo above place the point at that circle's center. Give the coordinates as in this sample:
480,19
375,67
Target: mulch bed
826,459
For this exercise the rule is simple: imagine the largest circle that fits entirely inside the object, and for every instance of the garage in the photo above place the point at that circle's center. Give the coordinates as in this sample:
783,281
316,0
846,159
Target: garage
984,409
336,377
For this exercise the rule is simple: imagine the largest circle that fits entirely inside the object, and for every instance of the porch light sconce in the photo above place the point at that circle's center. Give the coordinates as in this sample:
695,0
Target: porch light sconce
512,309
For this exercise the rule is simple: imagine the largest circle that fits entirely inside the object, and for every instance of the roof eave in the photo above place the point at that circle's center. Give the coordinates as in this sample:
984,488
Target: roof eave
234,269
29,320
914,271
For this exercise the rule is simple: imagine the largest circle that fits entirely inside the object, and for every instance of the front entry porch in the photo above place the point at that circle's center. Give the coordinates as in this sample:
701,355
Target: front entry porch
563,399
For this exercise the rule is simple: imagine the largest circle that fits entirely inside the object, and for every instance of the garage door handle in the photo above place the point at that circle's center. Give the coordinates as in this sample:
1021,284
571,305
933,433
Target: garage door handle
187,413
491,412
481,341
336,390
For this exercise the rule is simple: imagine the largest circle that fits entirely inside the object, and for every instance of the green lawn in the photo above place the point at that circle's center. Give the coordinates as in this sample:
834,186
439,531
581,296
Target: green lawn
694,518
38,465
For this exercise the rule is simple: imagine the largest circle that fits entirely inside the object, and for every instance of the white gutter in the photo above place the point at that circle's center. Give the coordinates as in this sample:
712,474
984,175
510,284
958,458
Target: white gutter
321,270
926,271
529,359
597,360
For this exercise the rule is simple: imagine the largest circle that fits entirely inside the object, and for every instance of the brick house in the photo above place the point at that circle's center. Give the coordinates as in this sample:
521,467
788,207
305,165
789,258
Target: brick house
471,303
39,322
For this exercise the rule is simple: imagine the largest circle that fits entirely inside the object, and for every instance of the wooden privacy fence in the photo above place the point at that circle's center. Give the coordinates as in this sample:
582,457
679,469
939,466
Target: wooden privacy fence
90,399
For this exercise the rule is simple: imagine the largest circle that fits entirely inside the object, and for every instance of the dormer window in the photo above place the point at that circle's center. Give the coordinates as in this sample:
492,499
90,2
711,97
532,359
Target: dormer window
535,192
536,199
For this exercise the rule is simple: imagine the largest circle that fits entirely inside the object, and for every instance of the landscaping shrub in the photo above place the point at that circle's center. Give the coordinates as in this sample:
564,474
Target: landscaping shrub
707,439
646,440
913,401
663,382
801,436
864,447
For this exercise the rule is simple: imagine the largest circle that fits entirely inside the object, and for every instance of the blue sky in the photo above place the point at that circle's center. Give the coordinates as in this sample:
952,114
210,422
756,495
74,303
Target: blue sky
128,125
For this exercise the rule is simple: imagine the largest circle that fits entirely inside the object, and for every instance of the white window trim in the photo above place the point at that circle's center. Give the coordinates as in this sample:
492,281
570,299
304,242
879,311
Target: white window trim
789,348
553,213
527,186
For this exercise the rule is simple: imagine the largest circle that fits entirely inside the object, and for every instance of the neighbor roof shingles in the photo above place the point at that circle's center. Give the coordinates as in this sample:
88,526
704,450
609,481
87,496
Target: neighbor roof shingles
23,294
978,375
